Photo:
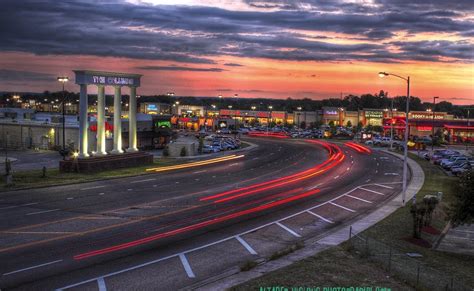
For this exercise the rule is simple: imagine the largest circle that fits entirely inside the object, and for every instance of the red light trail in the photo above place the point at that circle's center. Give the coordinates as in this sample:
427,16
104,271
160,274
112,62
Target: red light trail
358,147
336,156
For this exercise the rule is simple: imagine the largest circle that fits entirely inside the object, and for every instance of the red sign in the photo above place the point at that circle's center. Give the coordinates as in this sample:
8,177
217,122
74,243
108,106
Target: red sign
424,128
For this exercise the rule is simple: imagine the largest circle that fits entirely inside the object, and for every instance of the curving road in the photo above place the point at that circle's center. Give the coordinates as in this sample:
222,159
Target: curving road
174,229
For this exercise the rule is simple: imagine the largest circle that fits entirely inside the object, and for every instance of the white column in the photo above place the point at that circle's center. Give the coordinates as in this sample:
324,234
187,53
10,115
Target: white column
101,121
117,121
132,121
83,123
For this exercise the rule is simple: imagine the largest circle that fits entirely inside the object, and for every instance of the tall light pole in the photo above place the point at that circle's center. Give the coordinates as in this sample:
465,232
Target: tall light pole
391,124
433,124
270,118
405,154
63,80
299,113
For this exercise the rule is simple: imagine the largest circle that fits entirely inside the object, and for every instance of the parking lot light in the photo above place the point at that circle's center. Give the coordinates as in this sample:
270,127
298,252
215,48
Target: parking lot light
405,153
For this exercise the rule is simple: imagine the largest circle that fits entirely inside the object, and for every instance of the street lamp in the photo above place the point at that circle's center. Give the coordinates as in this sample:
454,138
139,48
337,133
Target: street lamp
63,80
270,118
299,108
433,124
405,153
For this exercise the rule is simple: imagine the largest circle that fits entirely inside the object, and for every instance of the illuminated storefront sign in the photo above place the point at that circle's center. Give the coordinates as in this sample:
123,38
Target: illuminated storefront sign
427,115
373,114
424,128
330,112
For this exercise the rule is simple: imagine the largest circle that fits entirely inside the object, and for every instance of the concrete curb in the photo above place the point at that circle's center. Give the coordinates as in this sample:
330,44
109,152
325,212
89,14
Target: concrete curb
320,243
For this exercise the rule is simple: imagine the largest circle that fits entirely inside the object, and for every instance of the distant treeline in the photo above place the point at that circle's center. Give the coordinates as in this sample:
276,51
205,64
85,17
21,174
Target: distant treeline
349,102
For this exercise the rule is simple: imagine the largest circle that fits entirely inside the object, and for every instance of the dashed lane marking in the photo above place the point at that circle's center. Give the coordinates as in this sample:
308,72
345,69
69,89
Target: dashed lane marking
368,190
90,188
383,186
41,212
16,206
142,181
246,245
186,266
340,206
360,199
288,229
32,267
101,284
320,217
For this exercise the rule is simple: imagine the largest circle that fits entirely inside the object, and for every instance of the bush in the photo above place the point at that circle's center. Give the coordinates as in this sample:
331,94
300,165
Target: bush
183,152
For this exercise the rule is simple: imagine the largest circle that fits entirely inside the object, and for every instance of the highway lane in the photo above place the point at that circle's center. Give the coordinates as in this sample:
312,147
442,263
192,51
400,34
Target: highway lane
354,169
30,217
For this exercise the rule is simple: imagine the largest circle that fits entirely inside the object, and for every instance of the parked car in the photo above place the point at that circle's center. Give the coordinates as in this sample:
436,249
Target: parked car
455,161
210,149
462,169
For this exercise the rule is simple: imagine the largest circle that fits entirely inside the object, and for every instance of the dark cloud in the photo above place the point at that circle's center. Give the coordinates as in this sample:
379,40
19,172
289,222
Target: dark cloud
233,65
199,34
14,75
178,68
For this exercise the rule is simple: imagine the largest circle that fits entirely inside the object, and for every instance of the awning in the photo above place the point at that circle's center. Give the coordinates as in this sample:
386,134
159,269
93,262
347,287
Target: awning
459,127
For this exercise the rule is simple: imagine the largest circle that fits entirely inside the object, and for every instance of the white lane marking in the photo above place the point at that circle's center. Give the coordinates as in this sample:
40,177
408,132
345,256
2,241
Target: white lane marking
186,266
288,229
391,174
383,186
320,217
101,193
255,158
367,181
340,206
70,198
101,284
213,176
141,181
15,206
336,177
348,168
376,171
357,198
32,267
196,179
314,187
129,189
368,190
352,162
89,188
246,245
40,212
202,171
234,164
154,186
209,244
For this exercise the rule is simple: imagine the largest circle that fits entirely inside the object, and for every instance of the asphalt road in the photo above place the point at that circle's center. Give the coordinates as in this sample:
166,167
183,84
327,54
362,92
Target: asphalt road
57,236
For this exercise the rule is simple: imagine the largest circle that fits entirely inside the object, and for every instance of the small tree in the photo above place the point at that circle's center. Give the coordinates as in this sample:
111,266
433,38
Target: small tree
166,151
461,210
303,124
201,144
430,202
183,152
349,123
418,213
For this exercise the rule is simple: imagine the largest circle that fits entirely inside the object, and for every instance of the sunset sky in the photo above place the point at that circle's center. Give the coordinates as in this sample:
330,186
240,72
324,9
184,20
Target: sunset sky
274,49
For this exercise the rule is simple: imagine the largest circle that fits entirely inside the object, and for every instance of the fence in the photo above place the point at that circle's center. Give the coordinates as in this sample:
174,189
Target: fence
405,266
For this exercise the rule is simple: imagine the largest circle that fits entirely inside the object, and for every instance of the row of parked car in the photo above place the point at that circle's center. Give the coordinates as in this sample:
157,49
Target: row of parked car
452,161
216,143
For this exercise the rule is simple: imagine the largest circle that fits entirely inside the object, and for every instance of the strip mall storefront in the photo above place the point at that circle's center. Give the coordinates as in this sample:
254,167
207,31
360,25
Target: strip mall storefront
423,124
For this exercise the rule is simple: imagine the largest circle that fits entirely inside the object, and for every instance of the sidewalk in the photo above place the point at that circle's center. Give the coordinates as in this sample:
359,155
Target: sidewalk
459,240
318,244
